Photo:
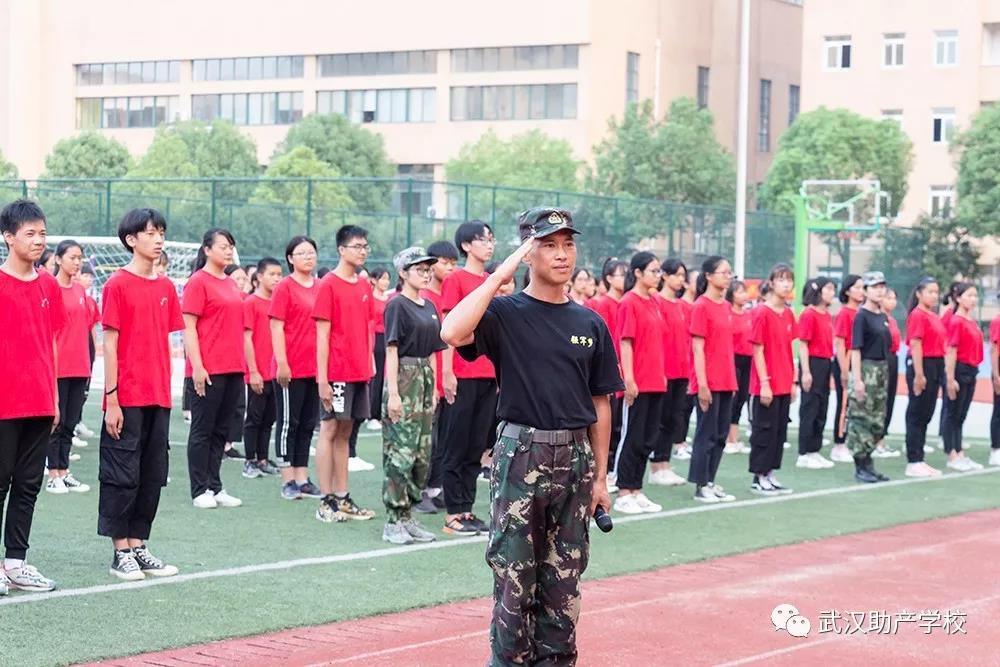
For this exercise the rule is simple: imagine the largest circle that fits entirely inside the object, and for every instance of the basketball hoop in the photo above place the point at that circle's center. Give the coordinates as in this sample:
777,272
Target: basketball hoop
847,235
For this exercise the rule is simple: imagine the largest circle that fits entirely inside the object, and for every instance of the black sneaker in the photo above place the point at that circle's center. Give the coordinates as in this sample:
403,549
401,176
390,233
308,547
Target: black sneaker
425,506
268,467
438,501
310,490
125,567
477,522
151,565
234,454
461,526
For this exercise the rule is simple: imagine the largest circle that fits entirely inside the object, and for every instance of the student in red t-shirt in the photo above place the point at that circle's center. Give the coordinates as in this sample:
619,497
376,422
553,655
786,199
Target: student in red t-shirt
925,338
579,286
86,279
677,368
380,280
296,394
995,376
213,337
962,358
447,258
235,430
888,306
851,295
743,354
606,305
259,352
682,450
815,355
772,380
470,390
73,369
713,377
31,318
641,332
140,311
946,314
345,324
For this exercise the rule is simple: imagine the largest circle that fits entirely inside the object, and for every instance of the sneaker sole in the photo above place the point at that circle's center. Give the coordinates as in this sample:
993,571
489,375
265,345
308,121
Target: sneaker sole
57,493
708,501
311,495
355,517
229,505
35,589
396,542
160,573
460,533
127,577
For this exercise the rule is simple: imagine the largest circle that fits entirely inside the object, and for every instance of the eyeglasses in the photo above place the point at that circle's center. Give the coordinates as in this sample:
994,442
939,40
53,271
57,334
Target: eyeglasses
307,254
490,242
655,272
360,247
421,270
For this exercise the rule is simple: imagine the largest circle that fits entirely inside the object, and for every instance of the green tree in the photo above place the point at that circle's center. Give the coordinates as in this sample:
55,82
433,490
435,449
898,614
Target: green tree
8,170
351,149
979,173
950,250
87,155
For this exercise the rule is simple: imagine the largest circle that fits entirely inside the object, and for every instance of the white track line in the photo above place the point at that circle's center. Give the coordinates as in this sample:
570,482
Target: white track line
457,542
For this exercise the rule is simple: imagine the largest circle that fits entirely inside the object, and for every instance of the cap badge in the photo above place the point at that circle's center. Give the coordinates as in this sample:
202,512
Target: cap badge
556,219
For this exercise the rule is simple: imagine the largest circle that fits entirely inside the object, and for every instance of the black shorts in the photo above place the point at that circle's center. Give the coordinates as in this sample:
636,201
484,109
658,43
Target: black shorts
350,402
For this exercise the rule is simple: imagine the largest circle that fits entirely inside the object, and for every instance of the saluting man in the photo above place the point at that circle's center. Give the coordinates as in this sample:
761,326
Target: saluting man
556,367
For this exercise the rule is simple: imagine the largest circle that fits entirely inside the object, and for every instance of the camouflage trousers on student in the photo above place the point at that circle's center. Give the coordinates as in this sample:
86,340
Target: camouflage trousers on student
538,548
866,418
406,445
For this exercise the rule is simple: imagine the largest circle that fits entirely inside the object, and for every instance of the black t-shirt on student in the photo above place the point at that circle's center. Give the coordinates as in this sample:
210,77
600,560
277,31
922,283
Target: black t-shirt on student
871,335
550,359
414,329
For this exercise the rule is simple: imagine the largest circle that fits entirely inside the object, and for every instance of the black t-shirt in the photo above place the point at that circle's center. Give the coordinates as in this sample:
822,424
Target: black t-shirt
414,329
871,335
550,360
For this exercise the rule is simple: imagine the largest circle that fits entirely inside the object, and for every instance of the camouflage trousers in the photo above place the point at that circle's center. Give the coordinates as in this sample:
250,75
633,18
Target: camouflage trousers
538,548
866,419
406,445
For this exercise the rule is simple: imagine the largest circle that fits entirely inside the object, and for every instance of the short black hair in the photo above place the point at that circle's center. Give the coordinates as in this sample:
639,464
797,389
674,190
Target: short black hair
63,247
610,267
136,220
733,288
323,270
293,243
348,232
377,273
812,291
266,262
44,258
467,232
845,286
87,269
443,250
18,212
233,268
164,258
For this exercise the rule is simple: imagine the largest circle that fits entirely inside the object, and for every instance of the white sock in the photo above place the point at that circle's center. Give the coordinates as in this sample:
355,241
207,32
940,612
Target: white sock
12,563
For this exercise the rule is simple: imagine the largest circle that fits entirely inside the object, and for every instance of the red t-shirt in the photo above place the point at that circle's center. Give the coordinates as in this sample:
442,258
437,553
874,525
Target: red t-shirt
776,333
816,329
256,321
742,321
607,308
32,316
894,334
435,298
995,330
930,329
143,311
380,305
676,339
714,323
946,316
292,303
73,341
640,321
95,312
843,325
218,303
456,287
350,309
964,334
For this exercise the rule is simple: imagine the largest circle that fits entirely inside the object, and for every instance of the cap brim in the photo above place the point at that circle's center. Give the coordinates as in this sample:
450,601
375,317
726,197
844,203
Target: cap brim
553,230
426,259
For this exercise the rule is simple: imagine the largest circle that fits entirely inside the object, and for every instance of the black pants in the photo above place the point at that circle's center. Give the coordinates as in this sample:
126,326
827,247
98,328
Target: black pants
770,428
133,470
297,413
995,423
352,441
891,387
616,429
839,437
690,401
211,418
22,460
813,406
438,428
920,409
375,387
239,415
742,386
958,409
72,396
469,434
710,438
673,428
642,433
260,419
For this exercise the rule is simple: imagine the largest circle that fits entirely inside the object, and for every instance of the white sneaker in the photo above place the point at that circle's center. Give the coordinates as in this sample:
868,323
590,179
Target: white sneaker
921,470
682,453
612,482
205,501
994,457
732,448
960,464
223,499
821,461
57,486
74,457
358,464
825,442
645,504
75,485
666,477
83,431
627,504
312,451
776,485
928,449
79,442
720,493
972,465
705,494
808,462
373,425
841,454
786,445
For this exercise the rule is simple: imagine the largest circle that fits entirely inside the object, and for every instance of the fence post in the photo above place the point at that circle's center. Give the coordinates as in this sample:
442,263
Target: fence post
24,189
617,224
409,212
107,209
493,209
214,182
309,206
466,217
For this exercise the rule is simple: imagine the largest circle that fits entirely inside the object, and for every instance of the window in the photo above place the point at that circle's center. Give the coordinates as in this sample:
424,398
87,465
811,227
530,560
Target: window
526,102
414,197
892,49
282,108
393,105
511,58
895,115
764,117
794,103
149,71
946,48
837,52
114,112
248,69
943,126
381,63
942,201
631,78
991,43
702,87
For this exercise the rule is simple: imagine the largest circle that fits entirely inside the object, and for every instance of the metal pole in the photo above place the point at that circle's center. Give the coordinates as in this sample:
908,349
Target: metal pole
409,212
309,207
214,182
739,259
107,210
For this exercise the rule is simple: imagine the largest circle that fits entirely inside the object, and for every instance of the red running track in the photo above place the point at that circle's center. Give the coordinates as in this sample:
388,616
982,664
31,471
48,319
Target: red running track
711,613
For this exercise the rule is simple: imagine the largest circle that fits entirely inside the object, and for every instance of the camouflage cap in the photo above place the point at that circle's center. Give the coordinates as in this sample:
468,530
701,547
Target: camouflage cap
404,259
871,278
541,221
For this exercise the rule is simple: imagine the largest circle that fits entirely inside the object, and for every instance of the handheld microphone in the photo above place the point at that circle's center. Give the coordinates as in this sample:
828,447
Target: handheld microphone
603,519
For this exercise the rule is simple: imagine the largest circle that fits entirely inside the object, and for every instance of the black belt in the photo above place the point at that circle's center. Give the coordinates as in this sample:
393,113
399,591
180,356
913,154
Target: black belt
556,437
412,361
